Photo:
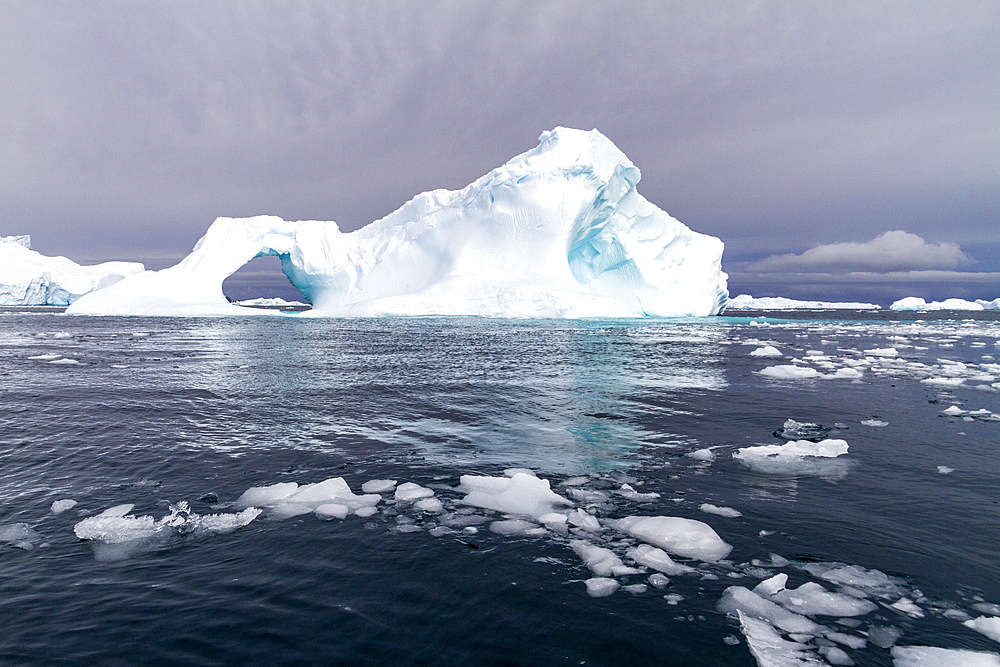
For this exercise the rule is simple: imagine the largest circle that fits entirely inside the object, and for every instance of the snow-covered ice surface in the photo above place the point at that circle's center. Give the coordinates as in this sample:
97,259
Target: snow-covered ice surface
29,278
917,303
441,490
558,231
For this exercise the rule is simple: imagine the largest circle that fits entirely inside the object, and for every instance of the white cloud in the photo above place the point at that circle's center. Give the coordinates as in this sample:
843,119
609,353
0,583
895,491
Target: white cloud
891,251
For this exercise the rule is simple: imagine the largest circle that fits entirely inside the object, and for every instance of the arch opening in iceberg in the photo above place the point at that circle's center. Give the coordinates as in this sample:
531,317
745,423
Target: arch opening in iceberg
263,282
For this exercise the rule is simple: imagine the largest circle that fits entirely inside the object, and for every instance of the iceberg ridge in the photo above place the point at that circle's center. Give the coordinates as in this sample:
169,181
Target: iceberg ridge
29,278
558,231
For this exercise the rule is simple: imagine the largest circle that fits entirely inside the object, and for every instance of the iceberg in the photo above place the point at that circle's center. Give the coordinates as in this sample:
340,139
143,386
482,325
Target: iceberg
747,302
558,231
29,278
917,303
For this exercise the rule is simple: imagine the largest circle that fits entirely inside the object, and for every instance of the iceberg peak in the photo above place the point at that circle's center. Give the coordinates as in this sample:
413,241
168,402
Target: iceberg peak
558,231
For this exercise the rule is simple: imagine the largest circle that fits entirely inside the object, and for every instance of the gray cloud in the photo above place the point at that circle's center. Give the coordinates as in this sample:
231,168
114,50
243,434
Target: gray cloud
128,127
892,251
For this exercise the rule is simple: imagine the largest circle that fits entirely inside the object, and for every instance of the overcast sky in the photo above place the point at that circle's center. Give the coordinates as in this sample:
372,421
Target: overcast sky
127,127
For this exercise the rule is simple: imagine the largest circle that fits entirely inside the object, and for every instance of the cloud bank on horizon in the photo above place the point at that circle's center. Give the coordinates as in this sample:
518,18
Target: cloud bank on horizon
777,126
889,252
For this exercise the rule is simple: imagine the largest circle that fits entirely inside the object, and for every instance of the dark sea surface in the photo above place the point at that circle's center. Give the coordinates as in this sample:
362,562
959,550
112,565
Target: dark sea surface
161,411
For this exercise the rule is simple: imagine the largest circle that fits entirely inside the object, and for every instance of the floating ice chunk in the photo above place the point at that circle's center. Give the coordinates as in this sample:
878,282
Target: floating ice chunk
266,496
628,493
908,606
953,411
990,608
328,511
943,381
117,510
378,486
45,357
601,587
584,520
877,423
884,636
853,641
739,599
709,508
601,561
705,454
932,656
365,511
657,559
516,527
766,351
789,372
795,457
21,535
811,599
432,505
410,491
636,589
673,598
554,521
114,529
882,352
66,361
835,656
872,582
521,494
945,470
684,537
845,374
60,506
769,587
574,481
657,580
987,625
587,496
510,472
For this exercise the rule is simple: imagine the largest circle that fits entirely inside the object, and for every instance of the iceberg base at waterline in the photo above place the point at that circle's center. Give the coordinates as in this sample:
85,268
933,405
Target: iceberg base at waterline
558,231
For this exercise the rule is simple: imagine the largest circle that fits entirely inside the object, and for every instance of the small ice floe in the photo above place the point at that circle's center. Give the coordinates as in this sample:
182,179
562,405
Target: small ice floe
628,493
907,606
882,352
987,625
795,430
45,357
953,411
62,335
574,481
658,559
766,351
790,372
794,457
602,561
116,534
584,521
19,535
945,470
737,599
709,508
932,656
943,381
410,491
378,486
288,499
60,506
429,505
990,608
682,537
768,647
705,454
66,361
516,527
521,494
657,580
673,599
601,587
874,423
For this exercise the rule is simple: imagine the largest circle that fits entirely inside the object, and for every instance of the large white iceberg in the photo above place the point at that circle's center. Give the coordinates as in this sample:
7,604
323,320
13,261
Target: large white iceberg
917,303
747,302
28,278
559,231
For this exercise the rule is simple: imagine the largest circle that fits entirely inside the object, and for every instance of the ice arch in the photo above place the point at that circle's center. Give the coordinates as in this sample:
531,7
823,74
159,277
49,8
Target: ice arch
559,231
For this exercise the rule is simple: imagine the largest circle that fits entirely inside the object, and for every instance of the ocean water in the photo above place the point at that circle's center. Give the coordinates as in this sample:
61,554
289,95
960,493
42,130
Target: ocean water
158,412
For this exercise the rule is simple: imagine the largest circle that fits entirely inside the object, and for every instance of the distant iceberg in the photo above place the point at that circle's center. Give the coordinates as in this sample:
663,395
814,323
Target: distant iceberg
747,302
917,303
559,231
28,278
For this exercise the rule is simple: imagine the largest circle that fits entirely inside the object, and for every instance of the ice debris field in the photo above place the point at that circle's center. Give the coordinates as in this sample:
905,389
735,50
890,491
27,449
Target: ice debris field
630,541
